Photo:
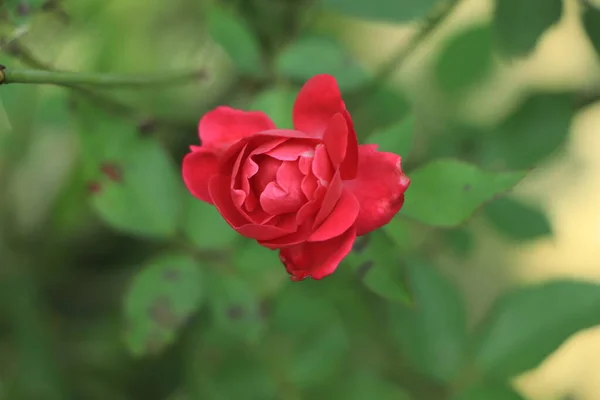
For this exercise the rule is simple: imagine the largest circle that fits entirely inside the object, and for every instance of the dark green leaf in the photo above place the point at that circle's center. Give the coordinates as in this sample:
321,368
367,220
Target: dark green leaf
534,131
160,300
397,138
518,25
315,339
528,324
236,307
367,385
311,55
231,32
465,60
488,392
145,197
517,220
433,333
206,228
377,263
591,25
382,10
260,267
277,103
447,192
460,241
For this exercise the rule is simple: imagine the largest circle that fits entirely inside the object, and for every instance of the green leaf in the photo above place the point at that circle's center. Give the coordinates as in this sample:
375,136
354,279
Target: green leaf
260,267
528,324
206,228
534,131
460,240
236,308
433,333
20,11
314,339
447,192
311,55
277,103
376,261
397,138
160,300
465,60
368,385
382,10
517,220
235,37
146,198
518,25
485,391
591,25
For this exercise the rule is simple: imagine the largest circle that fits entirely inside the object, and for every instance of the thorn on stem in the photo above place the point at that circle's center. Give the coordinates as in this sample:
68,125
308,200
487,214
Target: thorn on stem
94,188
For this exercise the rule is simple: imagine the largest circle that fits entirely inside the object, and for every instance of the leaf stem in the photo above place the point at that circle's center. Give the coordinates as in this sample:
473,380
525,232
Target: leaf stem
96,79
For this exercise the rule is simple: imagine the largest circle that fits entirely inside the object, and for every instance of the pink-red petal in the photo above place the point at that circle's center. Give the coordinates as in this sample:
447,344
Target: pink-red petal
318,100
317,259
198,167
341,218
335,139
223,126
379,187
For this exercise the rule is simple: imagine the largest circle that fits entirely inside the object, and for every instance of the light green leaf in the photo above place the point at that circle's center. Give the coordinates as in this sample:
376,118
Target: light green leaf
236,307
518,25
591,25
206,228
534,131
517,220
397,138
433,333
465,60
528,324
277,103
382,10
311,55
235,37
447,192
146,199
376,261
485,391
160,300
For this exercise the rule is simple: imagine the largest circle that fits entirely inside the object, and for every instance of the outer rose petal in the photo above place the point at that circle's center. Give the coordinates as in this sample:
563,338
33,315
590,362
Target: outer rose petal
342,217
318,101
223,126
198,167
379,187
317,259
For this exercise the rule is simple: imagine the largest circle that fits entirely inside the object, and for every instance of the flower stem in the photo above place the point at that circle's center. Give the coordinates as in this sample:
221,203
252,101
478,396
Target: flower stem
96,79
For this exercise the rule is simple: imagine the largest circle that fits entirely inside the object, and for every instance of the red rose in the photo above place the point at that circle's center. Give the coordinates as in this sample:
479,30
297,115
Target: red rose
308,192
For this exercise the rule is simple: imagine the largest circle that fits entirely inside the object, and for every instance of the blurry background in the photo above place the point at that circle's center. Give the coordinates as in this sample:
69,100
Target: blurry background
116,284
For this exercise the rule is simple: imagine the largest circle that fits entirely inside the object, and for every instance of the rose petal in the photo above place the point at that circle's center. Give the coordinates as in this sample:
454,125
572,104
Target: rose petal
223,126
267,173
349,166
334,191
284,195
220,192
308,211
317,259
335,139
341,218
292,149
198,167
318,100
379,188
321,165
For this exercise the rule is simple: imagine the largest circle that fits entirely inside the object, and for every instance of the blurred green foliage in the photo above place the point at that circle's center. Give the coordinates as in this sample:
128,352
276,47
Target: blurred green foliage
115,283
